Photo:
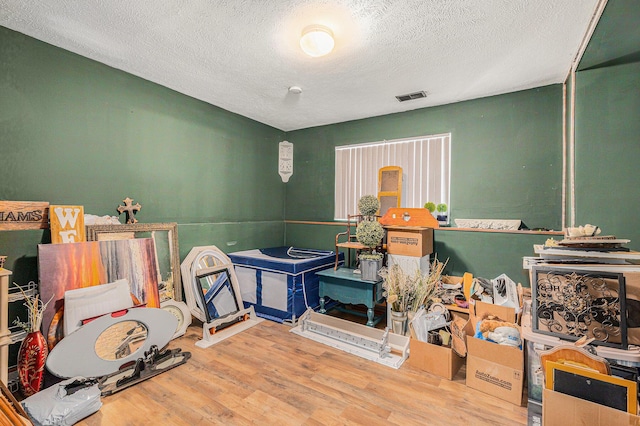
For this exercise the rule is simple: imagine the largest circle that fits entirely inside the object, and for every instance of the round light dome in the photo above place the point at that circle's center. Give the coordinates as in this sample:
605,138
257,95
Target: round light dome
317,40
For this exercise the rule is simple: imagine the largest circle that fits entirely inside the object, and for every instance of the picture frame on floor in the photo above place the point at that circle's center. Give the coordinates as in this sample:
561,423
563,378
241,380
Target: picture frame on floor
165,237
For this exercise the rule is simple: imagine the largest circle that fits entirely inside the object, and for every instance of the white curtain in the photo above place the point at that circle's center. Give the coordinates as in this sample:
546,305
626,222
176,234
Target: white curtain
425,163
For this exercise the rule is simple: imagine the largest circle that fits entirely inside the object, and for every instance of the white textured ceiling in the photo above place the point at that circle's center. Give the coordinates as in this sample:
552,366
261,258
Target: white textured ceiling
242,55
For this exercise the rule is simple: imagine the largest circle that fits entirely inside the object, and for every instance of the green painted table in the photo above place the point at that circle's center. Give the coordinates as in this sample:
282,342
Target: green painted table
344,286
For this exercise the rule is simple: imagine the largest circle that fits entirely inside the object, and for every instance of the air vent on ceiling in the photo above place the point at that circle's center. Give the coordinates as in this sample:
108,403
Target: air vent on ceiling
411,96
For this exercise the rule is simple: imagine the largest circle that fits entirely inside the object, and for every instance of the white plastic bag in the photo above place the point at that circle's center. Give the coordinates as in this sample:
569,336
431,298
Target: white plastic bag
57,405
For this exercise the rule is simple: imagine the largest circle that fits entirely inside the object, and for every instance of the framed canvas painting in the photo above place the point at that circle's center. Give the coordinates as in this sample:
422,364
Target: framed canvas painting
63,267
165,237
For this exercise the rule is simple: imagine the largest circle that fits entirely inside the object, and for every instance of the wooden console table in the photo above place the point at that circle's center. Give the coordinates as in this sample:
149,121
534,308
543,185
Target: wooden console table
342,285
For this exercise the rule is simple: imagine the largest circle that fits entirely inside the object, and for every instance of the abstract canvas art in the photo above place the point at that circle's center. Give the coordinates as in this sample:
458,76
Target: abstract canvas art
63,267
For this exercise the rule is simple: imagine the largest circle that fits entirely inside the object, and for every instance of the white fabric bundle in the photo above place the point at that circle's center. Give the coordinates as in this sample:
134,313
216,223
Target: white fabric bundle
55,406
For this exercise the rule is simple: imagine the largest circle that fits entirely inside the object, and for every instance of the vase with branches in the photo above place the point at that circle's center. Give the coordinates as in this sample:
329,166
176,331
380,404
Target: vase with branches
33,351
406,292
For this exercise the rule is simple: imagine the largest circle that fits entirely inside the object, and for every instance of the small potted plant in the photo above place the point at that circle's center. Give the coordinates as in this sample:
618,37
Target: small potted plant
431,206
443,217
369,233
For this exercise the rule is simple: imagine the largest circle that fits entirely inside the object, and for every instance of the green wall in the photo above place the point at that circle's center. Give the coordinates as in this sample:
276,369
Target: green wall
607,122
616,39
485,254
506,164
608,150
74,131
506,156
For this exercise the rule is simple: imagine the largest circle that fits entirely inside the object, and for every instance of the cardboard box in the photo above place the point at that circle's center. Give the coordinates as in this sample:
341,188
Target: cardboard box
410,241
559,409
441,361
479,309
452,279
466,280
495,369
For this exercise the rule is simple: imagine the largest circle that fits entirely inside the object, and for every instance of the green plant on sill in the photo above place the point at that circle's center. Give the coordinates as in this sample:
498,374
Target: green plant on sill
442,208
430,206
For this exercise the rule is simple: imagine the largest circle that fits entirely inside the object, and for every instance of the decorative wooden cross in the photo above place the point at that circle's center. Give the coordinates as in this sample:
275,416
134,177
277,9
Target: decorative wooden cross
130,209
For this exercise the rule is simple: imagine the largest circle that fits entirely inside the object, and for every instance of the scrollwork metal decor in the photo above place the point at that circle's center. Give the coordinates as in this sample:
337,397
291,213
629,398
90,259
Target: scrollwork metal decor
573,304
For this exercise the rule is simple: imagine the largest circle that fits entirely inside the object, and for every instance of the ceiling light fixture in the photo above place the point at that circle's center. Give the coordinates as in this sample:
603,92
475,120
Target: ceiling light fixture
317,40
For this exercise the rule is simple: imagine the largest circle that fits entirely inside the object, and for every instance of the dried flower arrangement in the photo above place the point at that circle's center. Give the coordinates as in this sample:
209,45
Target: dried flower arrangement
398,286
430,283
407,292
35,310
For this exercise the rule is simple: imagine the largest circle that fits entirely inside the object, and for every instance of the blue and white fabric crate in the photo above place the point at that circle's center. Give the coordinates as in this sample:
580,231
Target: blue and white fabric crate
281,282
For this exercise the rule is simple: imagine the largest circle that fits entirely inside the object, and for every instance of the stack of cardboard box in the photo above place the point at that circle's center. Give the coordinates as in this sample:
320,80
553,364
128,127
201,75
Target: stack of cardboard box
409,247
492,368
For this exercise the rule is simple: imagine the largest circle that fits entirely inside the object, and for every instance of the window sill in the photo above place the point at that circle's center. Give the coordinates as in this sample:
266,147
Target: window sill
500,231
444,228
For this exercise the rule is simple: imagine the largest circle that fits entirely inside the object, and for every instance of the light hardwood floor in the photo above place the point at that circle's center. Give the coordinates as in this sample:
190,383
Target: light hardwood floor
267,375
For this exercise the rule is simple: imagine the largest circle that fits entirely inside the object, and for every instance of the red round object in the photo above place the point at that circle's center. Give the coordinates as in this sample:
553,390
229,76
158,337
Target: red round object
31,361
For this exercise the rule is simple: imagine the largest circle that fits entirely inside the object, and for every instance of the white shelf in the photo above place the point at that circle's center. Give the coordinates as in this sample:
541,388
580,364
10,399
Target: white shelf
550,253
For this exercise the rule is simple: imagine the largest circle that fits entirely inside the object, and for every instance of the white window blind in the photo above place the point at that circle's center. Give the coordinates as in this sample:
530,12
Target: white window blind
425,163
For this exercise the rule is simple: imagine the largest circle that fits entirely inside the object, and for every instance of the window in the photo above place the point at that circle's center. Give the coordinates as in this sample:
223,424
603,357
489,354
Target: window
425,163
